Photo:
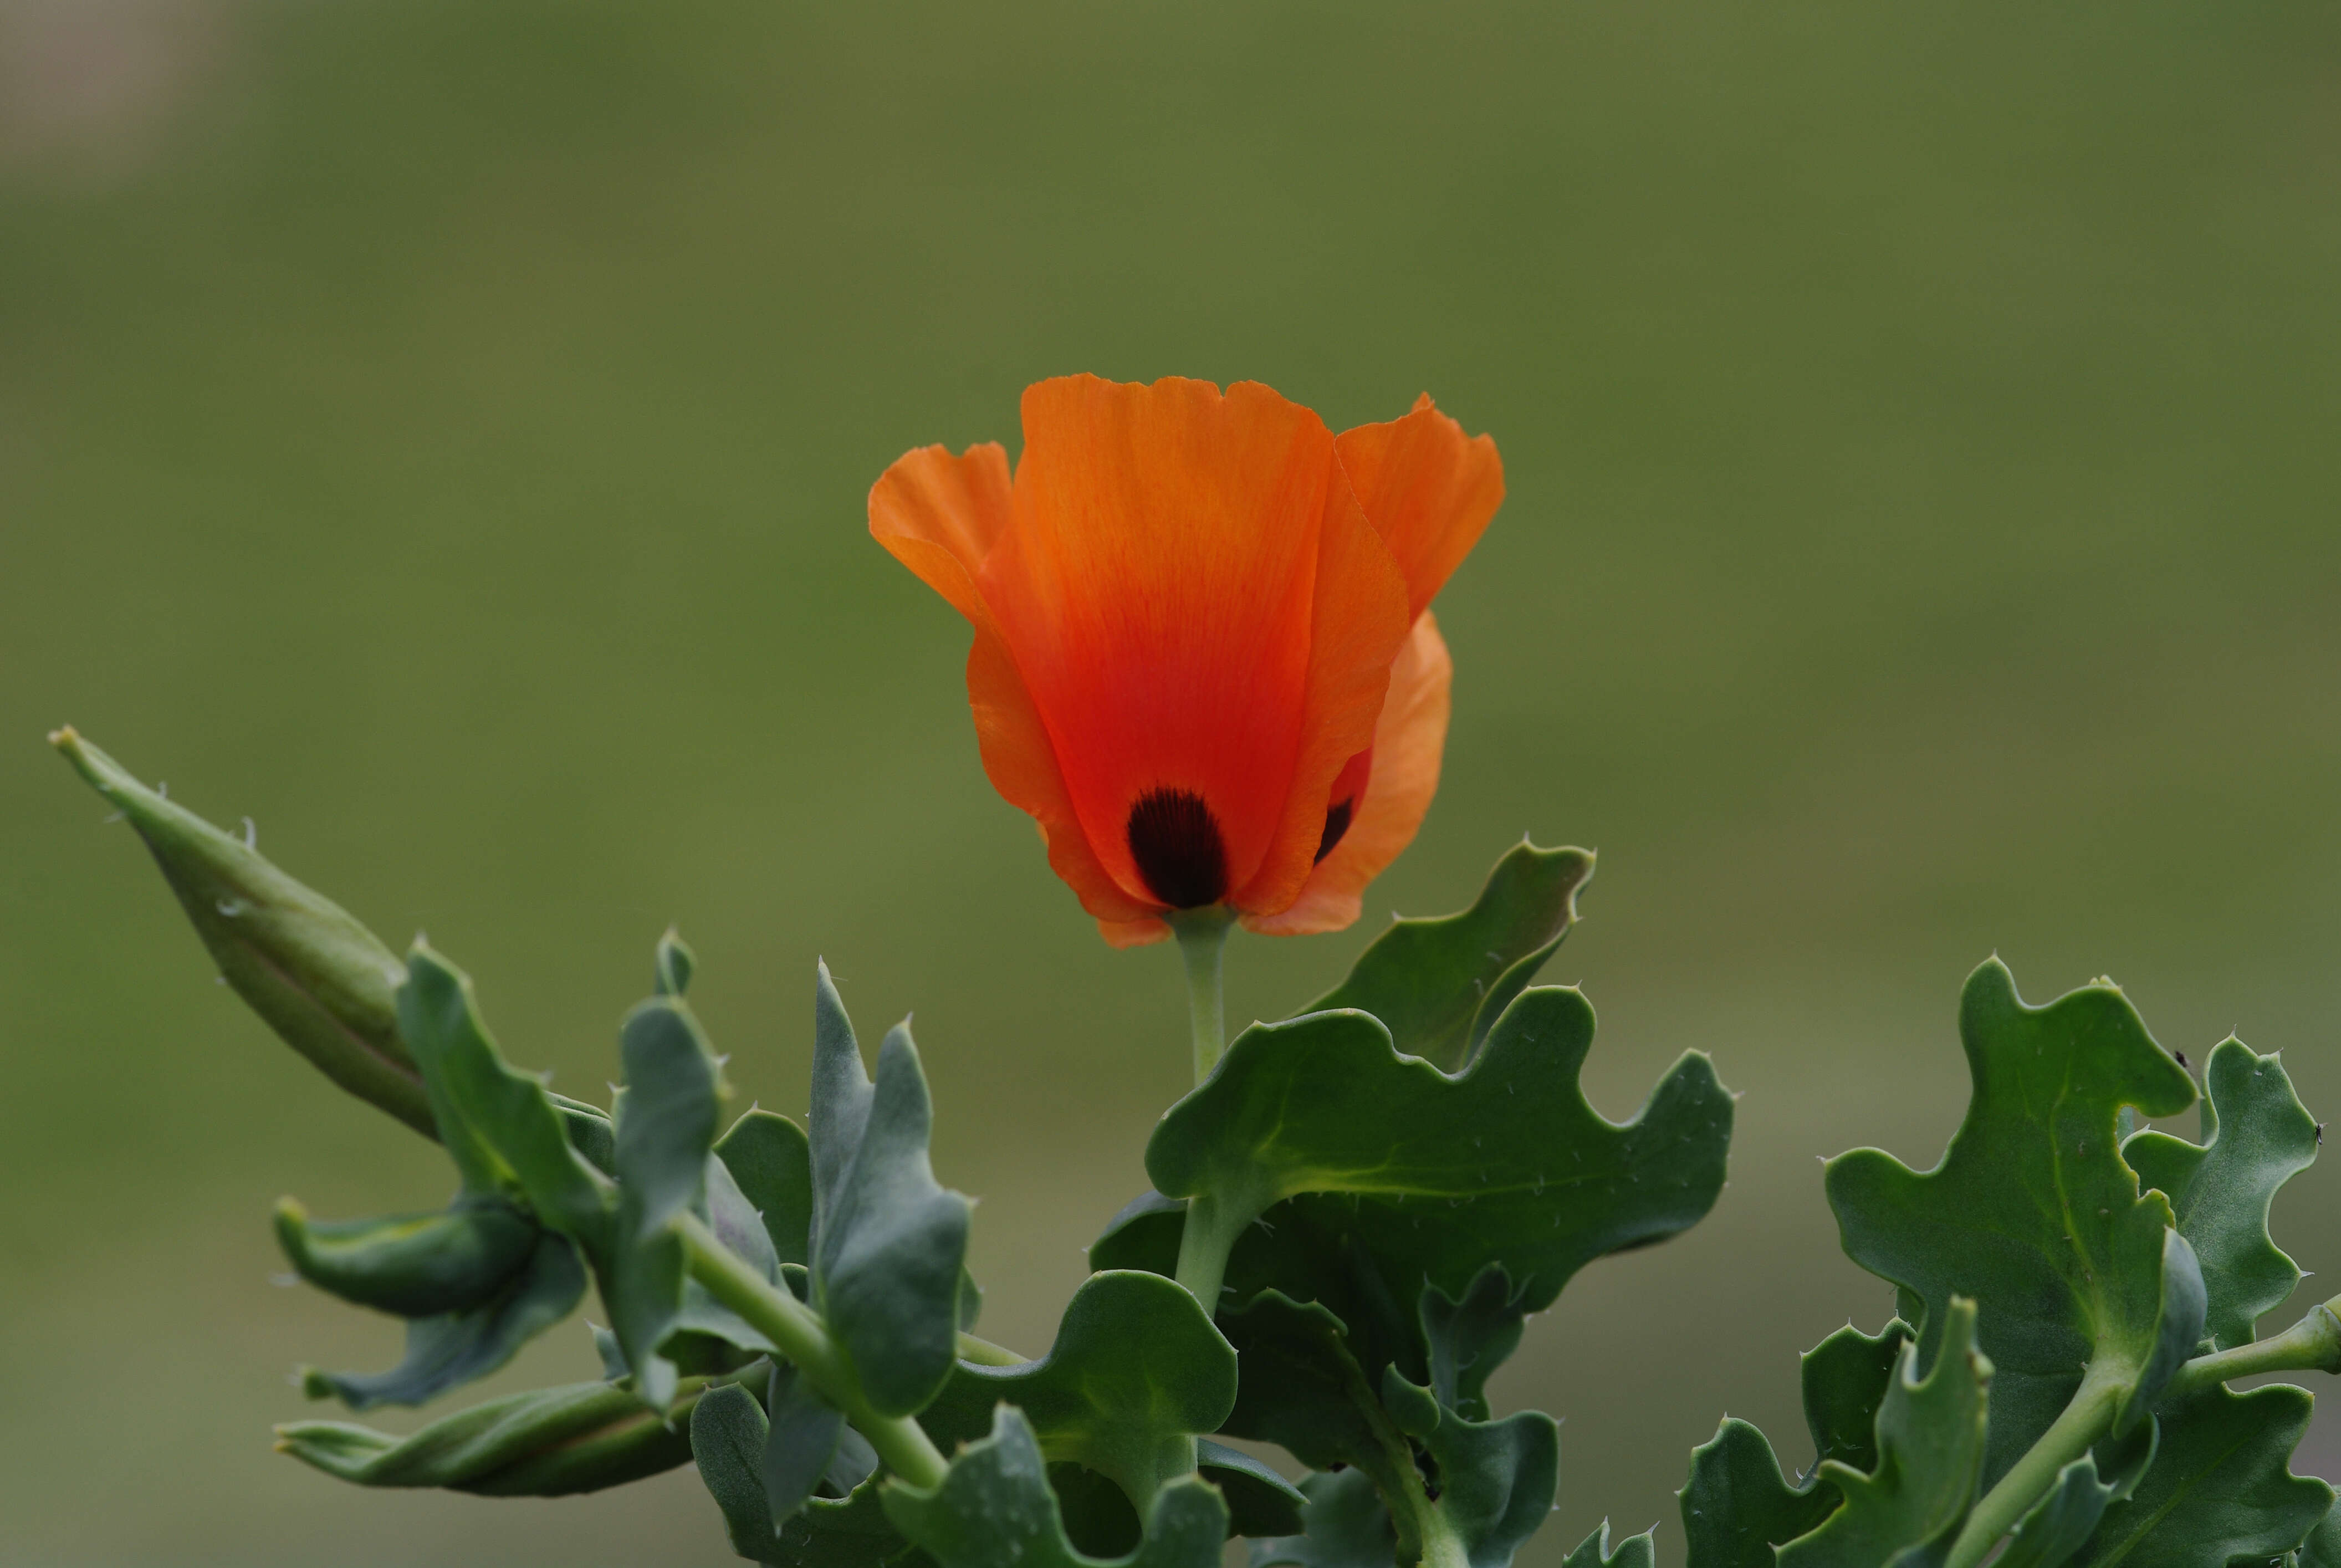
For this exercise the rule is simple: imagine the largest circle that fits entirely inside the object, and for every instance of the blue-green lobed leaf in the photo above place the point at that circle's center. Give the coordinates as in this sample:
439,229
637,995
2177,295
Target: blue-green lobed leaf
1260,1502
2220,1485
705,1334
1344,1525
665,1134
1930,1447
1495,1480
2033,1213
1594,1552
1300,1387
2256,1136
1290,1253
666,1121
729,1435
2059,1524
1136,1373
2220,1489
1844,1379
1100,1523
1456,1204
994,1509
800,1441
453,1349
590,1132
890,1244
499,1125
1438,985
1737,1506
1468,1338
769,1160
1303,1389
1438,1175
736,1221
2323,1547
672,968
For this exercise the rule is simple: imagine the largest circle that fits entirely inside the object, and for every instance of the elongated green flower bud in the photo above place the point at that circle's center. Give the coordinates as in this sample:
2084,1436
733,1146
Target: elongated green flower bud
415,1266
318,978
549,1443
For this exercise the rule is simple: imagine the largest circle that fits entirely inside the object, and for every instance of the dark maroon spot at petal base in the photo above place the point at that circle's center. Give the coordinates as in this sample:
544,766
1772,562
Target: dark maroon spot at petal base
1177,848
1336,822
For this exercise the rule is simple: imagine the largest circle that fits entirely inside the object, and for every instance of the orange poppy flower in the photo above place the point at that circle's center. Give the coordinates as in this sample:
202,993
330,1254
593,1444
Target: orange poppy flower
1203,659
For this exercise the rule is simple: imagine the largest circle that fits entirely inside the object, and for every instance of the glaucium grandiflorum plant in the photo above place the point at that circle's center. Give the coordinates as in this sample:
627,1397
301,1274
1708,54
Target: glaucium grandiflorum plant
1204,663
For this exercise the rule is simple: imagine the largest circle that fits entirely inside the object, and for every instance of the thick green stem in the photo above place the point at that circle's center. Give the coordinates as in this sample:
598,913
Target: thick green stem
1202,938
1442,1546
902,1443
1143,1470
2312,1344
1213,1225
2088,1417
1426,1537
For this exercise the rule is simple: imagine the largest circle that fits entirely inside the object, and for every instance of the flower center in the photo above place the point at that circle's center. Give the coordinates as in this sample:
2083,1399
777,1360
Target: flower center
1177,848
1336,822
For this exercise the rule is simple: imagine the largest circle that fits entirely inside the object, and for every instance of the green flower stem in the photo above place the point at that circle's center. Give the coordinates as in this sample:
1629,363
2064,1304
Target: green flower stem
902,1443
2088,1417
1212,1223
1213,1228
2312,1344
983,1353
1141,1480
1202,937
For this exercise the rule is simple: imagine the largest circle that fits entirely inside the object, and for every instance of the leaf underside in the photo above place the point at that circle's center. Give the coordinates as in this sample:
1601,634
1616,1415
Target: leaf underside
889,1244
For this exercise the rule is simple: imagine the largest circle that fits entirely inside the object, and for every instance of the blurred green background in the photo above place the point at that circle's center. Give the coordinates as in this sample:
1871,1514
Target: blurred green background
440,433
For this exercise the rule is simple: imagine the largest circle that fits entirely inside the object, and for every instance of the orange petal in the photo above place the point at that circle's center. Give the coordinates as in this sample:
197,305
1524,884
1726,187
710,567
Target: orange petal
1360,628
1134,933
1429,490
1408,744
941,516
1196,603
1023,766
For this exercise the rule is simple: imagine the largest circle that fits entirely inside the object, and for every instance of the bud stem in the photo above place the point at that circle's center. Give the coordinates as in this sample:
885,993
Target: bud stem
1211,1231
983,1353
2312,1344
